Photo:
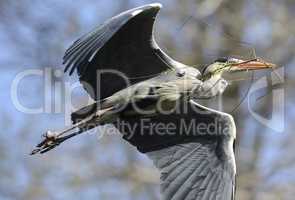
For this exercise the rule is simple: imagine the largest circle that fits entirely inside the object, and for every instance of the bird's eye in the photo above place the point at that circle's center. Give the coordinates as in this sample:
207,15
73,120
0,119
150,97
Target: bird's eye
222,59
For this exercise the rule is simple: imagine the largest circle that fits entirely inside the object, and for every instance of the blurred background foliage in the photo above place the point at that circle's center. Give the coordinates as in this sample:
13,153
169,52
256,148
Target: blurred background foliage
34,34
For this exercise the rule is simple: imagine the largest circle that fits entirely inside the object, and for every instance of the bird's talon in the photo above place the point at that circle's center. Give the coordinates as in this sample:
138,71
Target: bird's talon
35,151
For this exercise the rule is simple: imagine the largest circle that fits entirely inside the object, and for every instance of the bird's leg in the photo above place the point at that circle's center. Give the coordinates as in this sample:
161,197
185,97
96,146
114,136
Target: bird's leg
48,144
53,139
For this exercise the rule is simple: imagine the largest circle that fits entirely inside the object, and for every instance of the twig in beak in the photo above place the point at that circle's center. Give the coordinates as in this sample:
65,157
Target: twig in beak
245,62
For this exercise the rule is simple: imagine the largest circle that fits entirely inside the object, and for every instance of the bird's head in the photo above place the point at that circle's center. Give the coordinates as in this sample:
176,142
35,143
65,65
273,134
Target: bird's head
221,65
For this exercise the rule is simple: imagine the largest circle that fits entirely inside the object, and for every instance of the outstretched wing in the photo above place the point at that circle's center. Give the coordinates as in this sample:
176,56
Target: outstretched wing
123,46
192,147
194,171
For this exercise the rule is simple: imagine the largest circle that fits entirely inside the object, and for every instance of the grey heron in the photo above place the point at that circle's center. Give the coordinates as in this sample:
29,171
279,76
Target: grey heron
139,82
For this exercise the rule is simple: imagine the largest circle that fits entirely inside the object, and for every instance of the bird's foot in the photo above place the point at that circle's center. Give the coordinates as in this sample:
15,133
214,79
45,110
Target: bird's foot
50,141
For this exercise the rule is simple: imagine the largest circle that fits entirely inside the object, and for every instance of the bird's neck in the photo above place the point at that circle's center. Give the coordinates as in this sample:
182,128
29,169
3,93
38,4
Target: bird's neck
211,87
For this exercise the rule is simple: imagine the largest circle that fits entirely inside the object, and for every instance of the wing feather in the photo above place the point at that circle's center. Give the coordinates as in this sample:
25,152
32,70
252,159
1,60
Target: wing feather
197,174
124,43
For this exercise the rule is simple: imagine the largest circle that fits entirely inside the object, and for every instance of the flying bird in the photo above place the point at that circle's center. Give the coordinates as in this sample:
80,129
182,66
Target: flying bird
153,101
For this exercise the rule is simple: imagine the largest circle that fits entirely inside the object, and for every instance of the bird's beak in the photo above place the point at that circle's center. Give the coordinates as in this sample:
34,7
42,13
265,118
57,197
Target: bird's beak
254,64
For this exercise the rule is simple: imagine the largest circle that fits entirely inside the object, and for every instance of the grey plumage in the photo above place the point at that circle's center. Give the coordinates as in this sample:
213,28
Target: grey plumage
202,169
194,164
124,43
